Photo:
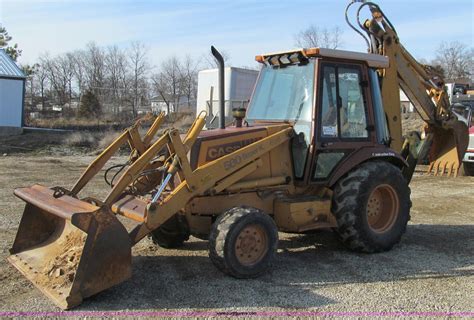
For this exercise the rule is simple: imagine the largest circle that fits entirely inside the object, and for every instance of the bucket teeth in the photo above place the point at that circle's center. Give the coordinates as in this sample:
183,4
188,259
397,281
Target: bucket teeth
450,169
430,168
441,168
448,150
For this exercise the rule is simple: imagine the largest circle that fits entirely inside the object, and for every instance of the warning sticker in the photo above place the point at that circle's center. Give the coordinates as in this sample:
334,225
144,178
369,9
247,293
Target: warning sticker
330,131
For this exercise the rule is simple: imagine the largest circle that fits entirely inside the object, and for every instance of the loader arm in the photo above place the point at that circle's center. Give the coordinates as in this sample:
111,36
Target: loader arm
211,178
447,132
131,136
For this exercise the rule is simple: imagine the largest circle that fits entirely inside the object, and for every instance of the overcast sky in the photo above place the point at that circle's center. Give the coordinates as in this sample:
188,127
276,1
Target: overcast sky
242,28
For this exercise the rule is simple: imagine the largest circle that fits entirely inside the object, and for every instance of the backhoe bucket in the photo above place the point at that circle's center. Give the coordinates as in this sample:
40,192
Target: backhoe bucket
70,249
447,151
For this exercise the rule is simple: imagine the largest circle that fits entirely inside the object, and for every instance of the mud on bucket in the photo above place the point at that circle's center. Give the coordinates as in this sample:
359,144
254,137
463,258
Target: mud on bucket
68,248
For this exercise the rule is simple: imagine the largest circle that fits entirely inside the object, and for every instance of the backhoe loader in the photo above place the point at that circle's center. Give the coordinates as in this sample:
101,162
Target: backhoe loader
320,146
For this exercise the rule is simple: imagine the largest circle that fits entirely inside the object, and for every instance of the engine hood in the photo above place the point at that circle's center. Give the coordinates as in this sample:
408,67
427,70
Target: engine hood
213,144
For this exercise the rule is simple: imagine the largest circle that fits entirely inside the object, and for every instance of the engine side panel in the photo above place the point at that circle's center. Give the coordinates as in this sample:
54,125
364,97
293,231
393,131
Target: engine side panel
213,144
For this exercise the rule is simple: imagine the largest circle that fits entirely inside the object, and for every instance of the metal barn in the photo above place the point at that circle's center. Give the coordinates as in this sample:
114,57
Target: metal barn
12,95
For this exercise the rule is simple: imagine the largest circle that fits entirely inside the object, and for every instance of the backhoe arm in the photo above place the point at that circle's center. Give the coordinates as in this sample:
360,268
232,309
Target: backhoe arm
445,131
424,88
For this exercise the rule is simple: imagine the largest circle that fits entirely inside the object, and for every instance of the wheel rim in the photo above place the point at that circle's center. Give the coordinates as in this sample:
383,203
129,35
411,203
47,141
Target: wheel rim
251,245
382,208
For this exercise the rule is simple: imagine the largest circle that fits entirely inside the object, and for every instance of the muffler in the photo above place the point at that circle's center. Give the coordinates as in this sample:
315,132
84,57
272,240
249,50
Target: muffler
70,249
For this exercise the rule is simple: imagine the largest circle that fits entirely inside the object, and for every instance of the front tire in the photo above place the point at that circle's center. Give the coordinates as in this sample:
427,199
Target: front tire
372,207
243,242
171,234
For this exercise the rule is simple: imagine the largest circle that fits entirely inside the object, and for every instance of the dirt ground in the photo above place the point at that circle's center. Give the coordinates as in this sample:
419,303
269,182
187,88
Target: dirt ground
431,270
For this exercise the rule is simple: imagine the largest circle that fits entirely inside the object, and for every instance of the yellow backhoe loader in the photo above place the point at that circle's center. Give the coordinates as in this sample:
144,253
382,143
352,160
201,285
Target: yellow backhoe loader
320,146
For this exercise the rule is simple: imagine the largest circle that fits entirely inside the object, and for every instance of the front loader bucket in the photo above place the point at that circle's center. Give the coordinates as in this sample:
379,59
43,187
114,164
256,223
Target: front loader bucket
70,249
447,151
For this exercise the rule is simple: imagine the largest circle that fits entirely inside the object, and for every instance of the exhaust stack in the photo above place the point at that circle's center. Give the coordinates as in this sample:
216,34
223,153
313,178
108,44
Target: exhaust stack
220,60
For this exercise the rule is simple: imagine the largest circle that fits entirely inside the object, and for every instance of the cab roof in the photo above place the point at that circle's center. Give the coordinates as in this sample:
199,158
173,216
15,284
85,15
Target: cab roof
298,55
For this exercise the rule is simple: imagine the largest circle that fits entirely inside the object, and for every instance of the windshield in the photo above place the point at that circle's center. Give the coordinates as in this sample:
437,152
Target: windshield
465,109
459,89
283,94
286,94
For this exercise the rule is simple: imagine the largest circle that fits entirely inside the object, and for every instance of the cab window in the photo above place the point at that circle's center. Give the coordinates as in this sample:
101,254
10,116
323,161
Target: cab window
343,107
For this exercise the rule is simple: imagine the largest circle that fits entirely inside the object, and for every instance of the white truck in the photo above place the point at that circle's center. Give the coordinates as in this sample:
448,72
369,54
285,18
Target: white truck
456,89
464,105
468,160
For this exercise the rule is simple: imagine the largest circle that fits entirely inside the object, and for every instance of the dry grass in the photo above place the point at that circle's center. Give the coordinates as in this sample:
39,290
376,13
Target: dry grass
412,122
64,123
91,140
183,122
107,138
81,139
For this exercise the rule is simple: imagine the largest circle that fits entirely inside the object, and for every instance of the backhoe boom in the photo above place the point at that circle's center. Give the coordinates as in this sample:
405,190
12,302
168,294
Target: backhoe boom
447,130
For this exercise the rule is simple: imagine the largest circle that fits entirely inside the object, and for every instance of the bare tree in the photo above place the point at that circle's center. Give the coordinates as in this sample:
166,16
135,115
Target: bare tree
78,68
66,63
94,67
117,77
456,59
140,66
41,78
29,71
189,73
314,36
117,69
160,86
168,83
58,80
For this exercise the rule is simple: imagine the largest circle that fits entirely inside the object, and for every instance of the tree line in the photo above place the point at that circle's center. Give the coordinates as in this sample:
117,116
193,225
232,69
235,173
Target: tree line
453,60
121,79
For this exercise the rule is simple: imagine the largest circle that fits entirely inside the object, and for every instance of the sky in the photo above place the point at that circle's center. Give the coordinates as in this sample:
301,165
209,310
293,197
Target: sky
242,28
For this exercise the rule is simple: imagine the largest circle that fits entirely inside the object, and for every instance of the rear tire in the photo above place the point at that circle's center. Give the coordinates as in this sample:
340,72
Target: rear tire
243,242
171,234
372,207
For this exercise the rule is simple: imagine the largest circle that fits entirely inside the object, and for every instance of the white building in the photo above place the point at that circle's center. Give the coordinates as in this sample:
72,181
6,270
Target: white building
159,105
239,84
405,104
12,95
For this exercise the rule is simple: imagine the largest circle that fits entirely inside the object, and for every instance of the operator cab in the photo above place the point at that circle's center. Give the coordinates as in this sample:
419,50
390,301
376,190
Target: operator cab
331,98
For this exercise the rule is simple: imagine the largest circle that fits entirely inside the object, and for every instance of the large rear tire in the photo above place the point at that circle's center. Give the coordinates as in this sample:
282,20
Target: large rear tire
372,207
171,234
243,242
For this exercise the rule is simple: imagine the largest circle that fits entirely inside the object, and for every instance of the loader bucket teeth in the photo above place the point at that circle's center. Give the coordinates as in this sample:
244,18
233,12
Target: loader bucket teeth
450,169
448,149
68,248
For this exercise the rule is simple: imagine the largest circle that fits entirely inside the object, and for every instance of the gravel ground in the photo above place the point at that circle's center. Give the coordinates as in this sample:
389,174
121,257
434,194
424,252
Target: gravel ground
431,270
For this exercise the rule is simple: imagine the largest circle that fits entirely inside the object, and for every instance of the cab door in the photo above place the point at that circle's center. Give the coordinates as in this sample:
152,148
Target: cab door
344,119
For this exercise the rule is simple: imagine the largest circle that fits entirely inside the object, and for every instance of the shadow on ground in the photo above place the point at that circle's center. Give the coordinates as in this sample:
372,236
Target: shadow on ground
305,263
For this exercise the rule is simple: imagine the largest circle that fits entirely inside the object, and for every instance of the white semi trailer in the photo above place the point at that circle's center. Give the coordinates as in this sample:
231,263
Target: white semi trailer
239,84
